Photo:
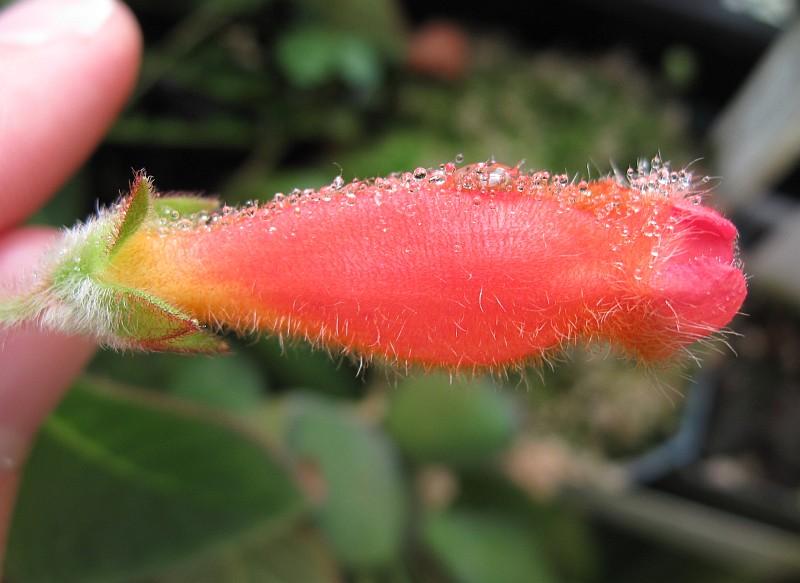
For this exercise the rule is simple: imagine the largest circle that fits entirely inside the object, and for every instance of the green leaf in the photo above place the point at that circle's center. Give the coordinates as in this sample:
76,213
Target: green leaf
364,507
300,557
120,483
434,420
167,206
379,22
312,56
232,381
484,548
133,210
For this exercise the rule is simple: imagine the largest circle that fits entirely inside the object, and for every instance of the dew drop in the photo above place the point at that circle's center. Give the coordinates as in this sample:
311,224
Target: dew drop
498,176
420,173
541,179
655,163
438,178
459,158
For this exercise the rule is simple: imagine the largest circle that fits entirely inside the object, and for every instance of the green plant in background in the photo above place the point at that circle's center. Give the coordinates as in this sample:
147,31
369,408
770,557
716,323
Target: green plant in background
282,464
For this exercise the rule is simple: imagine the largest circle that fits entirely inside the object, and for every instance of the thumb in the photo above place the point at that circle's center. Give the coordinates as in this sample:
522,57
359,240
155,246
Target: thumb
37,368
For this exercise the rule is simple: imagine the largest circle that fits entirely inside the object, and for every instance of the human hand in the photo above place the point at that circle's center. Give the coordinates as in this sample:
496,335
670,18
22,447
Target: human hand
66,68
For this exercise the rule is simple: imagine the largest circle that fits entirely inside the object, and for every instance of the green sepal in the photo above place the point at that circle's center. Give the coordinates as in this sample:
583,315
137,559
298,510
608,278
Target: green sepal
133,211
147,322
184,204
124,317
139,319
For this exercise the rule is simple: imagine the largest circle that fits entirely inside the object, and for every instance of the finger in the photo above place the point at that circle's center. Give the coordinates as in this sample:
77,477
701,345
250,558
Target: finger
66,68
36,368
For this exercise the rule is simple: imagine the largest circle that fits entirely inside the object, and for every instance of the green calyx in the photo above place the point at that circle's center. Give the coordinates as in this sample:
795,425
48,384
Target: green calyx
152,324
121,316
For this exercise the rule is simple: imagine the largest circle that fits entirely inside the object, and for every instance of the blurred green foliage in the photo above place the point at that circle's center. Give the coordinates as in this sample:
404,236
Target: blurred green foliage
477,548
363,509
460,423
281,463
119,485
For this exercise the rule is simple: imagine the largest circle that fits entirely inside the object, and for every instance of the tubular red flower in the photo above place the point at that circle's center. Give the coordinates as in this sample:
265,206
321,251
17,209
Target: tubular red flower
472,267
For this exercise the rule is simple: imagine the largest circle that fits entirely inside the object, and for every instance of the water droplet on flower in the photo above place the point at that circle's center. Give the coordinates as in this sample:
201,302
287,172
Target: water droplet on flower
541,179
438,178
420,173
655,163
498,176
459,158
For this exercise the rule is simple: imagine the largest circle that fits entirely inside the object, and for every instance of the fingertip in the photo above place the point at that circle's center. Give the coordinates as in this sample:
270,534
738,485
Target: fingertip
66,69
21,251
37,365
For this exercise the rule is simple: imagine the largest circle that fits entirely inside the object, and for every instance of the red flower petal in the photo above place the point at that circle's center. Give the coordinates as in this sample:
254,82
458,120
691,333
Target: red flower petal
473,267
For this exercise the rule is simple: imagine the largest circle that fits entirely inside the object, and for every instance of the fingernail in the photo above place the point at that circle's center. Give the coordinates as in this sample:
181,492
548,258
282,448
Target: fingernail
30,23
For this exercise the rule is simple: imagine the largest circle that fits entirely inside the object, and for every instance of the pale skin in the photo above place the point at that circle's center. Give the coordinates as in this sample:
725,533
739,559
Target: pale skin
66,70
